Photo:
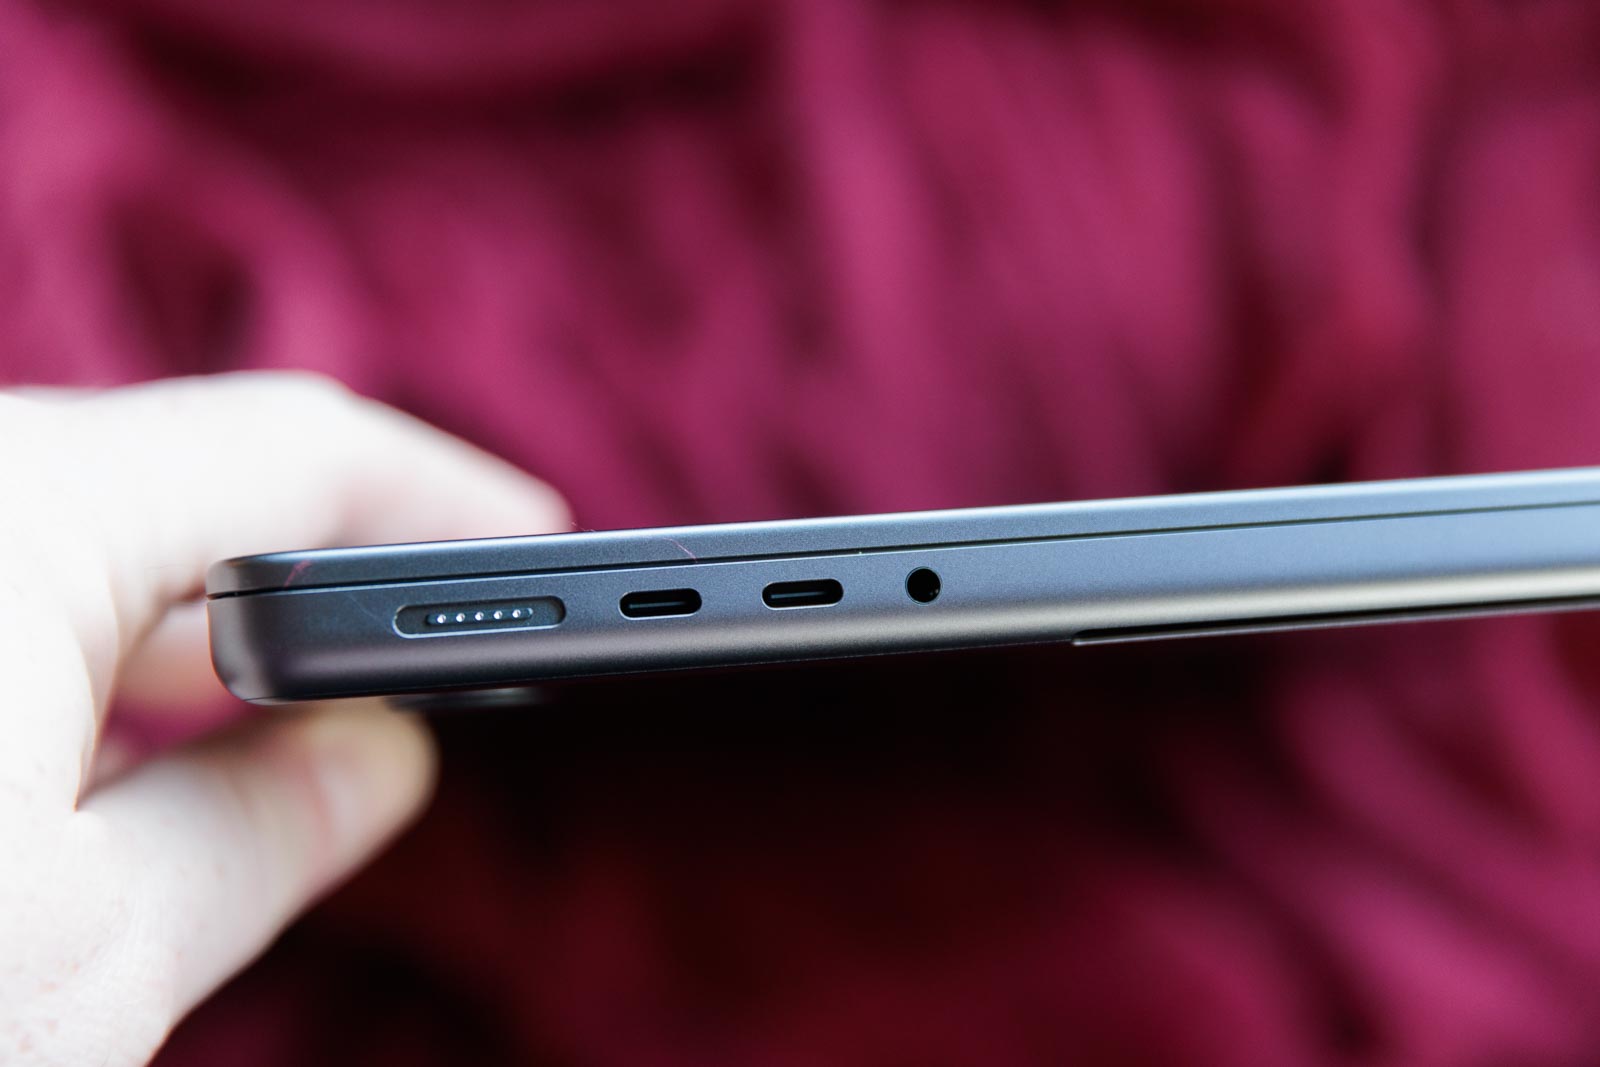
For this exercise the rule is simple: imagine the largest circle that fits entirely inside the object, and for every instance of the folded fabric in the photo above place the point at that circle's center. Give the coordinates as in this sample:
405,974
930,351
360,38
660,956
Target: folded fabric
728,259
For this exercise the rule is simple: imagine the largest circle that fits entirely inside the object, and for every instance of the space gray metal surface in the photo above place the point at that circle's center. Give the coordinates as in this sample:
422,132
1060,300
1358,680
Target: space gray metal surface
623,548
1531,543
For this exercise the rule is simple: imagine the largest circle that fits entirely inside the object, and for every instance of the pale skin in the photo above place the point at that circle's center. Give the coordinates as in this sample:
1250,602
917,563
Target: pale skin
130,893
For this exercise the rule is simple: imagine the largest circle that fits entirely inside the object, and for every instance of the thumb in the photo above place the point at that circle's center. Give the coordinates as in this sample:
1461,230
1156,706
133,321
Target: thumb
227,840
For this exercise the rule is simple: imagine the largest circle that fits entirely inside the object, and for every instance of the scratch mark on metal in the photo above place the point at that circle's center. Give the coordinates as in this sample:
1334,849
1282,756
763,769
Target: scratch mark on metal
683,548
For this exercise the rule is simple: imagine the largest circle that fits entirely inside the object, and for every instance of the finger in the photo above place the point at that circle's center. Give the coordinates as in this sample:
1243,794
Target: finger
167,689
169,672
112,756
213,467
51,394
136,491
222,843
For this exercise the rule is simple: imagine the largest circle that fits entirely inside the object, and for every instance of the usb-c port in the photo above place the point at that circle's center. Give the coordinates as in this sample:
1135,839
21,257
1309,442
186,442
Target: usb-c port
812,594
657,603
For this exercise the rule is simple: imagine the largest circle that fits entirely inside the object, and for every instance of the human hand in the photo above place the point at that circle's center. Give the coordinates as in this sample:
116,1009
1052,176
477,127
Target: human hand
127,898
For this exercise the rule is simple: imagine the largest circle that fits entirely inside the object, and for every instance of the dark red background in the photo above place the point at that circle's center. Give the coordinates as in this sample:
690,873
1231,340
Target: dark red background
727,259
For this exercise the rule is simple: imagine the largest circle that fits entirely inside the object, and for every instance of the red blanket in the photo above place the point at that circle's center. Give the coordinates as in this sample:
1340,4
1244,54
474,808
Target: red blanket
725,259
